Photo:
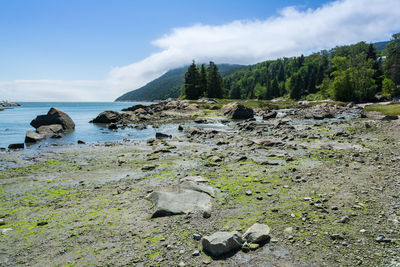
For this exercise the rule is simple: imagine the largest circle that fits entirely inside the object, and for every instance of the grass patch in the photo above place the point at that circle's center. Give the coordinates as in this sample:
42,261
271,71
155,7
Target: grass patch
391,110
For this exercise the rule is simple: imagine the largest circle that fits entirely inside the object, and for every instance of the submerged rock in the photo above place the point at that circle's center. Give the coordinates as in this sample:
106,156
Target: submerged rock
221,243
54,116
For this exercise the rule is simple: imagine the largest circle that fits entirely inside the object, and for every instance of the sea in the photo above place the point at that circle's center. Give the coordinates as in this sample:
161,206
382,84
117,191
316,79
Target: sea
15,121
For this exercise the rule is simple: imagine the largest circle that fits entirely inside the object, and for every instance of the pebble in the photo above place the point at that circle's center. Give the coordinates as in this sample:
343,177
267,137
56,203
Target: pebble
196,253
197,237
249,193
2,222
345,219
182,264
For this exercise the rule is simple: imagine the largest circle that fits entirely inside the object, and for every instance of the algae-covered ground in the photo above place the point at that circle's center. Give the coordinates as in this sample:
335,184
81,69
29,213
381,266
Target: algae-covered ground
329,190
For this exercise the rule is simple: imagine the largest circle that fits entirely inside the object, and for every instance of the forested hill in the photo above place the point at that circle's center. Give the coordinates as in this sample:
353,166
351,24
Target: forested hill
169,85
347,73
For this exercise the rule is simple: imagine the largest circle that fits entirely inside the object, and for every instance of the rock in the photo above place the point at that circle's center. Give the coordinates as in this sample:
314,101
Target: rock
2,222
16,146
49,130
107,116
221,243
238,111
344,219
207,101
180,128
149,167
80,142
182,202
33,137
195,236
336,237
42,223
199,187
1,109
136,107
54,116
270,115
8,104
112,126
200,120
162,135
390,118
257,233
196,253
249,193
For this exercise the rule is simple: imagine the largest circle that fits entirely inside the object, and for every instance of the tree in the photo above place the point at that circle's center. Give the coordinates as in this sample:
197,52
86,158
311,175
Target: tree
214,82
191,85
203,81
389,88
392,63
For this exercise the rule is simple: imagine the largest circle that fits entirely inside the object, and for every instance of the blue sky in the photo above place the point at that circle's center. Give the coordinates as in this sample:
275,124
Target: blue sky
85,39
99,49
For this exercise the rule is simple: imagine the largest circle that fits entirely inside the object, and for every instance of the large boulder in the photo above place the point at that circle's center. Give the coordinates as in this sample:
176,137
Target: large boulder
108,116
182,202
257,233
50,130
33,137
16,146
54,116
237,111
221,243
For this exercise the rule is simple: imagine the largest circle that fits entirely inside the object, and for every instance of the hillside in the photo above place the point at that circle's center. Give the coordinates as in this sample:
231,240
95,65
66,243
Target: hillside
169,85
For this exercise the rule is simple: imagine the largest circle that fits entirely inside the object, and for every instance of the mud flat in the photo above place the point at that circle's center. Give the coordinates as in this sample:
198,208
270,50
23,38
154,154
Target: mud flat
327,187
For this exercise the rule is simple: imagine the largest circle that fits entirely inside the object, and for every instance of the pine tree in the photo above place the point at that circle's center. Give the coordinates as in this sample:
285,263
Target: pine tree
214,82
191,86
203,81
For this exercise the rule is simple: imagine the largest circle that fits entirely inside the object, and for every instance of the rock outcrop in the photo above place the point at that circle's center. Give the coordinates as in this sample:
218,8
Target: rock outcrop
54,116
107,116
8,104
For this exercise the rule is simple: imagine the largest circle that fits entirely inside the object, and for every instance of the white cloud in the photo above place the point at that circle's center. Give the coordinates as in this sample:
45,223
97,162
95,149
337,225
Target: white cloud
290,33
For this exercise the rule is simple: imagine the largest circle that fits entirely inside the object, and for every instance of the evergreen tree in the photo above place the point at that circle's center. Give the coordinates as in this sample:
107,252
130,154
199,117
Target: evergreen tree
191,86
214,82
392,64
203,81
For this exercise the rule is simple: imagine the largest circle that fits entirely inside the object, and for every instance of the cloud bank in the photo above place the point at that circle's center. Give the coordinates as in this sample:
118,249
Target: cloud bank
292,32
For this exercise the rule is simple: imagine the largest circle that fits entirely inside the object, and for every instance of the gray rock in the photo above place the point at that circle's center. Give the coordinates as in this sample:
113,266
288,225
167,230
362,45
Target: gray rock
173,203
199,187
162,135
270,115
257,233
221,243
196,253
54,116
108,116
238,111
195,236
49,130
345,219
33,137
16,146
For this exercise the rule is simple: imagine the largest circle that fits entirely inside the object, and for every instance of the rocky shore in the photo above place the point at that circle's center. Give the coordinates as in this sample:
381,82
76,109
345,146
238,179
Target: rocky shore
8,104
311,186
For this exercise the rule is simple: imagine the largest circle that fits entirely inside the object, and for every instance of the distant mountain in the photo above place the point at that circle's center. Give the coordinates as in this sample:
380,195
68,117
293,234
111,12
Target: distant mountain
380,46
169,85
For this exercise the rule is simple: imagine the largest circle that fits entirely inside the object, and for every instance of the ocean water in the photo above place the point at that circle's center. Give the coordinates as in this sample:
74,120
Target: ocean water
16,121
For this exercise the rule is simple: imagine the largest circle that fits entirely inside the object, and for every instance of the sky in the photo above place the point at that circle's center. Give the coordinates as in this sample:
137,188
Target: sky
96,50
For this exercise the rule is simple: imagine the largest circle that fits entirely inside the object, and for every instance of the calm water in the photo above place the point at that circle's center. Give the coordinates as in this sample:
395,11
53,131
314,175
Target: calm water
15,122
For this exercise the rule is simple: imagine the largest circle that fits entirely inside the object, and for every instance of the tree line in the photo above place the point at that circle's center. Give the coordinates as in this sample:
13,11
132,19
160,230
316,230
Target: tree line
347,73
203,82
